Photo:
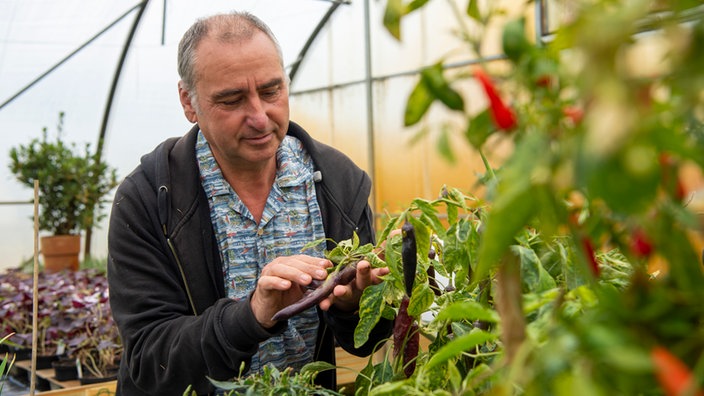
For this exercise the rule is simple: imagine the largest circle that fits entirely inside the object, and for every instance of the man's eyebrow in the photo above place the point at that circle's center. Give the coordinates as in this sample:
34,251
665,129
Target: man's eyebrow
273,83
227,93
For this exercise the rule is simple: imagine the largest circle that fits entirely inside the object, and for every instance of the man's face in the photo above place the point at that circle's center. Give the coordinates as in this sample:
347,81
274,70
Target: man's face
242,100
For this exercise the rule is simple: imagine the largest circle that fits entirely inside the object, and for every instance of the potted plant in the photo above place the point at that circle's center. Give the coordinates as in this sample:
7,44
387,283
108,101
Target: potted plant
72,183
95,343
98,349
16,310
74,321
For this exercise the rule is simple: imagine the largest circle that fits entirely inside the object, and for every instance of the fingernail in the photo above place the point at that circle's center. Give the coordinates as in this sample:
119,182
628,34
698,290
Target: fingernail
305,278
321,274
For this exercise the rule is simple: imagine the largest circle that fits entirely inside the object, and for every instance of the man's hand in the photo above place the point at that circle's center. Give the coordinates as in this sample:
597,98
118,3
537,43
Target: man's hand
346,297
282,282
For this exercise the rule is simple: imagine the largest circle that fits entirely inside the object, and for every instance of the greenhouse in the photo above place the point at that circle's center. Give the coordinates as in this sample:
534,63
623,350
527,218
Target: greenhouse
471,197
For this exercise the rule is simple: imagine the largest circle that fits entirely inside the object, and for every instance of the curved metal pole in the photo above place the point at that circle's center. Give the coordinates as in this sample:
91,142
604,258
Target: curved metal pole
369,90
118,71
66,58
108,105
312,37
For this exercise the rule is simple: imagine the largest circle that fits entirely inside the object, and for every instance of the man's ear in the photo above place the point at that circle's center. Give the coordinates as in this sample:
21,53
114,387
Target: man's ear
188,108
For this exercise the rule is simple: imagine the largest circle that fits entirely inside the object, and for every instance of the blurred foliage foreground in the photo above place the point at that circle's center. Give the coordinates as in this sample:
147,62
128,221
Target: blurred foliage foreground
579,271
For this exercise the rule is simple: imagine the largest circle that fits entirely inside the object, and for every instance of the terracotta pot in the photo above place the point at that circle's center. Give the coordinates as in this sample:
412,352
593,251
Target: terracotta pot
60,252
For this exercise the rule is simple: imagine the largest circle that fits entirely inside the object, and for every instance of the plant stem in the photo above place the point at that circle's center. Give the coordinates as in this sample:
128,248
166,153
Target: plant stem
509,304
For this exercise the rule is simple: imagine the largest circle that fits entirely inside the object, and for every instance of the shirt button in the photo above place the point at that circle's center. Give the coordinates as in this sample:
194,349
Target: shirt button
260,231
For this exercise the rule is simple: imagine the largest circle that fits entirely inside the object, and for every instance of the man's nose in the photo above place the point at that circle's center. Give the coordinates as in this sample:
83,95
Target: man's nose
256,114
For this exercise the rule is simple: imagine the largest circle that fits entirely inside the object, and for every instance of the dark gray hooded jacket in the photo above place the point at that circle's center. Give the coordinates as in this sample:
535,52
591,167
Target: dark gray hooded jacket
165,276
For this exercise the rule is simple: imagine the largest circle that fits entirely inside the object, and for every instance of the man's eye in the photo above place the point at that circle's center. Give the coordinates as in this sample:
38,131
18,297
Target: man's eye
232,102
270,93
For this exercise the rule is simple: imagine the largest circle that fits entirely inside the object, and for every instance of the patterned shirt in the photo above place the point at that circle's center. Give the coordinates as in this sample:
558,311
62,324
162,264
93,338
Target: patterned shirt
291,218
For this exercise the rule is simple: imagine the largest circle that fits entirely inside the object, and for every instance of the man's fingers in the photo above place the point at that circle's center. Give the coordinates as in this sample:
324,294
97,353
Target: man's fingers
364,275
378,273
269,283
298,269
325,304
342,291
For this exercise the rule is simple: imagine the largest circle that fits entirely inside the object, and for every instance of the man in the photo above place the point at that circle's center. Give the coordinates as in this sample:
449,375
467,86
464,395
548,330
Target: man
206,235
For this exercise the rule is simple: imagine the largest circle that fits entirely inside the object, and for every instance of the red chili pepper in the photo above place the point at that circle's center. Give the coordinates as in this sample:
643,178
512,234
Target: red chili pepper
503,116
574,114
591,257
544,80
641,245
674,376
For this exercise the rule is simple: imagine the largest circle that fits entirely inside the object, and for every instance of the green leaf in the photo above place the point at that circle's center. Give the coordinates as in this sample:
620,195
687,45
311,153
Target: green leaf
456,252
383,372
467,310
444,146
510,213
313,244
391,388
392,224
363,382
355,241
414,5
434,78
454,378
421,299
576,384
534,277
370,307
317,367
452,212
479,128
473,10
515,204
229,385
457,346
429,215
418,103
392,17
422,235
388,313
514,42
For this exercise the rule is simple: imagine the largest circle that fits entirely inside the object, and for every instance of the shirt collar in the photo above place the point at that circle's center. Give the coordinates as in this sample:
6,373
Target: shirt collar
294,166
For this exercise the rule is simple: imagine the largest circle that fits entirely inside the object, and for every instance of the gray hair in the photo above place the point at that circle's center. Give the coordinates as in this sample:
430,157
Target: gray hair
237,25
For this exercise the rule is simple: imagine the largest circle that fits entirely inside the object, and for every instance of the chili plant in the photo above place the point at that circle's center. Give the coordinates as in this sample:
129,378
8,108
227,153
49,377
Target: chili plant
582,254
272,381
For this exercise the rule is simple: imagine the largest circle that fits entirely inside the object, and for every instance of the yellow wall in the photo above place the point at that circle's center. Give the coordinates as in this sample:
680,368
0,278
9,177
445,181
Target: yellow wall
401,168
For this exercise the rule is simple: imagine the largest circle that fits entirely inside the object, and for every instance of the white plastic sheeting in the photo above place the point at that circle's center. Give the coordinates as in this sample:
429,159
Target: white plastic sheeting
35,35
330,93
